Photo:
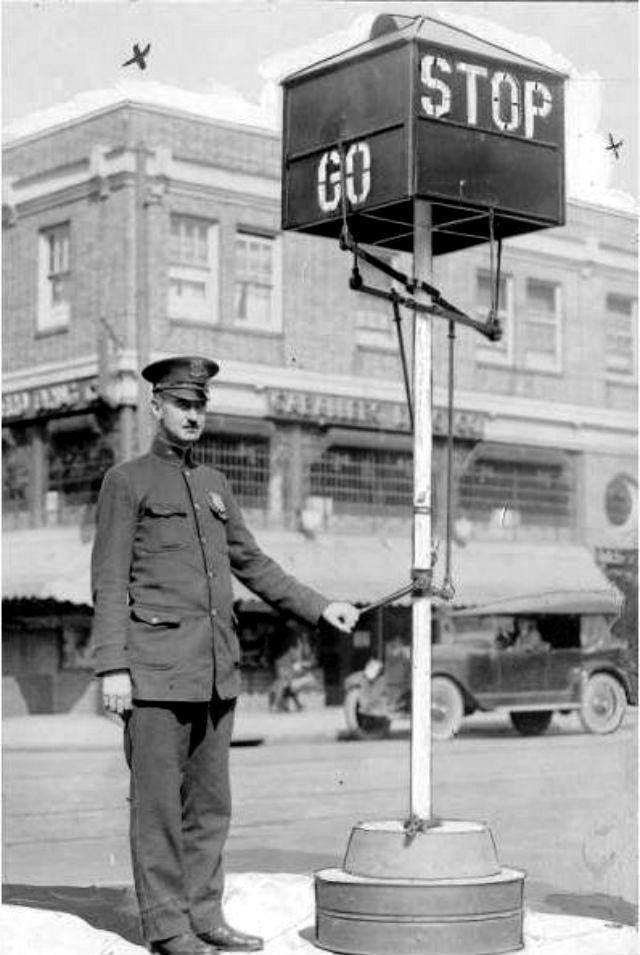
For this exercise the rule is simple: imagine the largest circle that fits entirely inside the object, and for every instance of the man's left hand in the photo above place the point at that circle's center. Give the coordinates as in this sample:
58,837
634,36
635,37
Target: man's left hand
342,616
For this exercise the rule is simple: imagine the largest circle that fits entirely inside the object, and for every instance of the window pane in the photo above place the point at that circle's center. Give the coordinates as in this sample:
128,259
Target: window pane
245,462
542,493
540,337
619,334
364,480
541,296
254,280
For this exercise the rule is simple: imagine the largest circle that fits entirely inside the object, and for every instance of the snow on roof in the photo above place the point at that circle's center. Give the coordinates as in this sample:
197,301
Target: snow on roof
219,103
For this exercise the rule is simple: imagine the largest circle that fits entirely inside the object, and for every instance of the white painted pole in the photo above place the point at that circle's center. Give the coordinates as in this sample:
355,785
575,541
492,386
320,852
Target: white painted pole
421,609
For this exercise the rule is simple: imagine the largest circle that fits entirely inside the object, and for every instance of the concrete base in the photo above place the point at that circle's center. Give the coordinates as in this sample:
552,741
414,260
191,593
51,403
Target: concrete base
280,908
439,892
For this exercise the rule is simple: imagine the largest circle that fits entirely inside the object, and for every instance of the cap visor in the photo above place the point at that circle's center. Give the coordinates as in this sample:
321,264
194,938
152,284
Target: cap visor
183,391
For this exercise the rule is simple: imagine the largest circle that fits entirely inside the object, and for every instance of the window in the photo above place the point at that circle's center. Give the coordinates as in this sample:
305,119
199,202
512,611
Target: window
78,461
193,270
257,282
363,480
501,352
54,280
534,493
245,463
16,470
619,335
541,326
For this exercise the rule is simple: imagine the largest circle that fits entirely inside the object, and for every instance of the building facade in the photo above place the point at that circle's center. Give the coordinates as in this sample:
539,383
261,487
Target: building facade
134,230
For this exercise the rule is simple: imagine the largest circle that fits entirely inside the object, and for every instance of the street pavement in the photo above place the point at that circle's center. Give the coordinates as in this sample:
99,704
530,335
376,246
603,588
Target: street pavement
93,882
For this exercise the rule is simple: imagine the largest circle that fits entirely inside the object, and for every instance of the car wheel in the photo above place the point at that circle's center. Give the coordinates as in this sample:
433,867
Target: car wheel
604,704
359,724
447,708
531,722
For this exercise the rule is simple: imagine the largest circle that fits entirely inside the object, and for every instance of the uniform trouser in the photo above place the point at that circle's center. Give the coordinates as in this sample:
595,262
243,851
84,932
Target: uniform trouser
178,755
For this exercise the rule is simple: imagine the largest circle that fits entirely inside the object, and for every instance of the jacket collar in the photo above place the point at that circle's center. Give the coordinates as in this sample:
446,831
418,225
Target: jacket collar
172,453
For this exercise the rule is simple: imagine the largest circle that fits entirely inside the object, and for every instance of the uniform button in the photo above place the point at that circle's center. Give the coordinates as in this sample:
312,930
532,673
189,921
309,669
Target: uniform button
155,620
197,507
204,540
209,573
214,613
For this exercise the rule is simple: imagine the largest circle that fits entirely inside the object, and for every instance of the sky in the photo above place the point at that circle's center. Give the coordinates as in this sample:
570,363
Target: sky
52,51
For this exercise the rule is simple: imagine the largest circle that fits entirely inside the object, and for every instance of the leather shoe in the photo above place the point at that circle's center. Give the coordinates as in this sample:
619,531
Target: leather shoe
228,939
185,944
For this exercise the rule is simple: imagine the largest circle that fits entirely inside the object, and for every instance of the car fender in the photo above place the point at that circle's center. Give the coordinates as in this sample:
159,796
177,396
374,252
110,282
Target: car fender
354,680
614,672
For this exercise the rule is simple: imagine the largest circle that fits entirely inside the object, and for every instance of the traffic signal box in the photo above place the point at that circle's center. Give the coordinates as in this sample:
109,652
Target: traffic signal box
423,111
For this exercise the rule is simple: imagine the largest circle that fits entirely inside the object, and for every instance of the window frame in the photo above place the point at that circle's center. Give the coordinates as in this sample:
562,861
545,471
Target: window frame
275,324
52,317
191,272
613,374
535,361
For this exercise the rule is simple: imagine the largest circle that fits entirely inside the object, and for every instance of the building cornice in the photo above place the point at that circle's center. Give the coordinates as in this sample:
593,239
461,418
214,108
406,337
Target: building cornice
110,169
130,102
242,388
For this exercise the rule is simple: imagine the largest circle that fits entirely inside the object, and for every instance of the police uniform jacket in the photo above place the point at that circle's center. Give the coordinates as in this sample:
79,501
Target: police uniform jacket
169,533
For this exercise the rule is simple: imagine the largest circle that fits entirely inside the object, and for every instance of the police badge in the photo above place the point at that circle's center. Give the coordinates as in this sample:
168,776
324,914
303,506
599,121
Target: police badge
217,505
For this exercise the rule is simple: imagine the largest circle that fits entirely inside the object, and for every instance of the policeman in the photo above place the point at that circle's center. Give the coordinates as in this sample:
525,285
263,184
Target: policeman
169,534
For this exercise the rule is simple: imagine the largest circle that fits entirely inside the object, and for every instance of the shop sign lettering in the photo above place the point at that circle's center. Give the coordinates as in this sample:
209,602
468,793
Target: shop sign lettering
365,413
49,399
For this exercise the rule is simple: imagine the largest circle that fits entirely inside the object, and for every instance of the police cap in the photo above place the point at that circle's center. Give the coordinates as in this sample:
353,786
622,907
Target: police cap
183,375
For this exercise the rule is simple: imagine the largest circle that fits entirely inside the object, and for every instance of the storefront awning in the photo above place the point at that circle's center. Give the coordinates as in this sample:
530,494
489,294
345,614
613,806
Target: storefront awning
54,563
364,569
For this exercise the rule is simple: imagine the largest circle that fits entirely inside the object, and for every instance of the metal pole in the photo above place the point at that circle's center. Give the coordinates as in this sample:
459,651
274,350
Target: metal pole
142,293
421,608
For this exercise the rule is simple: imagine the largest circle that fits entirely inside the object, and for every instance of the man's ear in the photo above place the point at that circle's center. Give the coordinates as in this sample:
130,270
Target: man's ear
156,407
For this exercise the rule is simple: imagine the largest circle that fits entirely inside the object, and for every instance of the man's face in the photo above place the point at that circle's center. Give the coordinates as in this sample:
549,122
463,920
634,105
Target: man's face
181,420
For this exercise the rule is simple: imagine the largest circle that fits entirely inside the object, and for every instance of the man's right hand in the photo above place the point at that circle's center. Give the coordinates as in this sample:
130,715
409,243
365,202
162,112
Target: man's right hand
117,692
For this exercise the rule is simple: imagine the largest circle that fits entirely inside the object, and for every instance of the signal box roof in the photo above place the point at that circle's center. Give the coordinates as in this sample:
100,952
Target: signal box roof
389,29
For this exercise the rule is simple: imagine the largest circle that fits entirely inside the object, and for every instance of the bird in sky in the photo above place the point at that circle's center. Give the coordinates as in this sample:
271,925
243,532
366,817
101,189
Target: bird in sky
139,56
613,146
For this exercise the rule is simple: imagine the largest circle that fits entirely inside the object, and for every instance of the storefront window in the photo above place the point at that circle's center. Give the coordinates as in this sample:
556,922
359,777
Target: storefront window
364,480
16,464
245,463
77,462
529,492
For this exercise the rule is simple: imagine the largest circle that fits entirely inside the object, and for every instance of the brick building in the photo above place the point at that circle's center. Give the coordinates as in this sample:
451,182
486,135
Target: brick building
133,229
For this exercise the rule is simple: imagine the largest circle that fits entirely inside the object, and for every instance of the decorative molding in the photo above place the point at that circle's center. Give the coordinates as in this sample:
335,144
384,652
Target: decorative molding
9,211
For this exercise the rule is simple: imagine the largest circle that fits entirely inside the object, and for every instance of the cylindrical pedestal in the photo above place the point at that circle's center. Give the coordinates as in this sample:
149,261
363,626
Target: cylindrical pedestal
440,892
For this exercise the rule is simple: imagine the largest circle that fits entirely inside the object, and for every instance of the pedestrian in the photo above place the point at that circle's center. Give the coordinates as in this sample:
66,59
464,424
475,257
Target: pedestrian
293,675
169,534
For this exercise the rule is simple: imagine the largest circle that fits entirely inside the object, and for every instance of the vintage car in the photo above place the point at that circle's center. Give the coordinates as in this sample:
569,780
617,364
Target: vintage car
527,656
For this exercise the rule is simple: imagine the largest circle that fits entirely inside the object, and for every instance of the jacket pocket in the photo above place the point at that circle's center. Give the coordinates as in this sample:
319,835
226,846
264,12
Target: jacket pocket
155,617
153,642
164,526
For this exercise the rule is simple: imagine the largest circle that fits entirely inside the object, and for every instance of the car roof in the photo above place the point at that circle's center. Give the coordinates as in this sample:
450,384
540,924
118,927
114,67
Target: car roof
548,602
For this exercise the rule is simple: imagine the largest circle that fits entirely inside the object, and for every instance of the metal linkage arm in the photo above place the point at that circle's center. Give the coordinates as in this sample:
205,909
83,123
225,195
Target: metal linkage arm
446,592
491,329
